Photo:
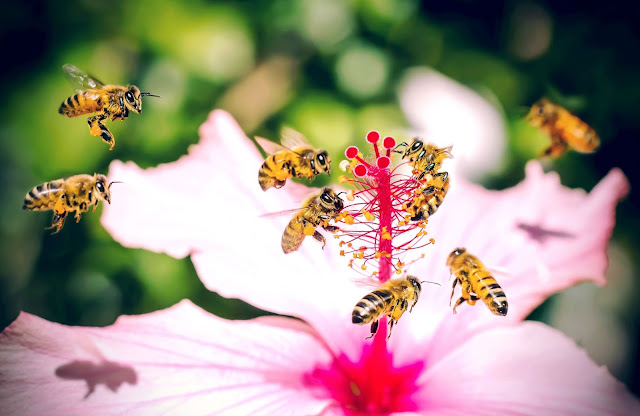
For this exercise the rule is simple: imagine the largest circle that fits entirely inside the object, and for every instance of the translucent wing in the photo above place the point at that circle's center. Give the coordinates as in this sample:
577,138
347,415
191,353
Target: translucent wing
270,147
292,138
282,213
79,79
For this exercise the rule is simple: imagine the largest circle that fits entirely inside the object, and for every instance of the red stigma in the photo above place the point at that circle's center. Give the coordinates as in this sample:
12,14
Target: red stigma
382,229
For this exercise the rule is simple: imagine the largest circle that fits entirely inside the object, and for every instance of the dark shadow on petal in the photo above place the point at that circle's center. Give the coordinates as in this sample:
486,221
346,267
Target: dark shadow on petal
541,235
109,373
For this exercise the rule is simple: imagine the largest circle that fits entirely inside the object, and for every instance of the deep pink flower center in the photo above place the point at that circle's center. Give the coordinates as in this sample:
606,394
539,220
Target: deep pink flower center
384,231
370,385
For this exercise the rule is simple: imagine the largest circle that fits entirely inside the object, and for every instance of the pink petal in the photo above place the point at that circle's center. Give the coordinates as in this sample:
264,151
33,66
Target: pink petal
209,204
181,360
540,237
529,369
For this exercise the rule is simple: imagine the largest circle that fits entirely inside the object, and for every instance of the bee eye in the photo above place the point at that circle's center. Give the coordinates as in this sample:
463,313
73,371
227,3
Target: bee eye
321,159
417,145
100,186
540,110
326,198
128,96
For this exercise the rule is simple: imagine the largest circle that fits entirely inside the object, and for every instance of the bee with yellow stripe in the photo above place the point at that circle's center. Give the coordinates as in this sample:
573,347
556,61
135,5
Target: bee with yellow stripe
391,299
565,130
295,158
92,96
425,157
429,197
476,282
74,194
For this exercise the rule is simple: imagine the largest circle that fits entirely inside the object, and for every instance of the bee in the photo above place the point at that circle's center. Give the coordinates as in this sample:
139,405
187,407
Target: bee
76,193
476,281
426,158
565,130
391,299
429,197
295,158
316,211
106,101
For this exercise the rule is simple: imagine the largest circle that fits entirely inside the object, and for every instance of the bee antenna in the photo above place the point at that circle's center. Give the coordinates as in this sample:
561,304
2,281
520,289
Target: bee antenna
427,281
142,94
111,183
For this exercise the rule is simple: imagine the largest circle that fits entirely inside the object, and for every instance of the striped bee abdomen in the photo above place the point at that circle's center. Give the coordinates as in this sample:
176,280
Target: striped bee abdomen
81,103
491,293
370,307
44,196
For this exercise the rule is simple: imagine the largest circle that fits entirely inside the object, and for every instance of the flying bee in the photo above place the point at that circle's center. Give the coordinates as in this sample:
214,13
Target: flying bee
316,211
76,193
391,299
426,158
106,101
429,197
295,158
565,130
476,282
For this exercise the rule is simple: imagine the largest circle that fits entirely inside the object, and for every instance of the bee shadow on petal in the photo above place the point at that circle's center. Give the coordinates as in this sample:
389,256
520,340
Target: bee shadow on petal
109,373
541,235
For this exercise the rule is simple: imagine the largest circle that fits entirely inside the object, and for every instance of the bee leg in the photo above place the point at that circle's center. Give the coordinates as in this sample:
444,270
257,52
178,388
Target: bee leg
460,301
453,289
391,323
472,299
374,329
320,238
58,221
99,129
557,147
331,228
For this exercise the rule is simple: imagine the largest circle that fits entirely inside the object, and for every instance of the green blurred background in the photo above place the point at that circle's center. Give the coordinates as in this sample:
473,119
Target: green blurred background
328,68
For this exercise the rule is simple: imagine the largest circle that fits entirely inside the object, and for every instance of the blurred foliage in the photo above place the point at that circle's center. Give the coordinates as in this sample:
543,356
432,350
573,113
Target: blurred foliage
329,68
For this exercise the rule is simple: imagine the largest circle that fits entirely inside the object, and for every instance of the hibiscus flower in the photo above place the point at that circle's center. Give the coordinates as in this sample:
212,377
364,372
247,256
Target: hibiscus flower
185,361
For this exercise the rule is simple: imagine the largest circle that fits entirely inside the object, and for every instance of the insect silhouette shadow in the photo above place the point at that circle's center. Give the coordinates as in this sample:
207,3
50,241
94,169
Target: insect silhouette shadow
541,234
109,373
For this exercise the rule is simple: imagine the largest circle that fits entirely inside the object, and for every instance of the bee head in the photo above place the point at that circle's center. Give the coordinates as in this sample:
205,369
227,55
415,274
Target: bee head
454,255
102,189
133,98
330,201
415,283
323,162
413,149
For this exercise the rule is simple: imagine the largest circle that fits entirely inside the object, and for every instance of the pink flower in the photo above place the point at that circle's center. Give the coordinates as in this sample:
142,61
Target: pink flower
186,361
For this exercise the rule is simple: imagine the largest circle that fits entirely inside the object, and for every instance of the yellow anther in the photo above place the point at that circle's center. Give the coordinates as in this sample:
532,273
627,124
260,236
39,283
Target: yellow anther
422,255
355,255
399,263
368,215
343,179
341,243
386,236
344,164
349,245
399,271
350,196
377,255
337,237
422,224
374,273
342,252
360,255
348,219
363,267
401,223
432,241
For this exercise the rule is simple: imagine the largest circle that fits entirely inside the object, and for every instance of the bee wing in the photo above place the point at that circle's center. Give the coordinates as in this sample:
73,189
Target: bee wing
367,283
447,151
282,213
79,79
292,139
268,146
